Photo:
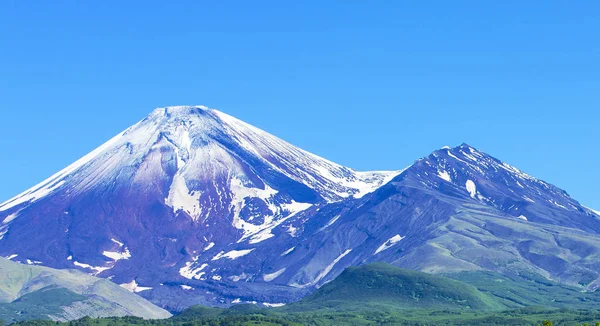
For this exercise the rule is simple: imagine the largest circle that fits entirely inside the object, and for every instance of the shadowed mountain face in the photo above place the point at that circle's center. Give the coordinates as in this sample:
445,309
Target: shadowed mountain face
192,206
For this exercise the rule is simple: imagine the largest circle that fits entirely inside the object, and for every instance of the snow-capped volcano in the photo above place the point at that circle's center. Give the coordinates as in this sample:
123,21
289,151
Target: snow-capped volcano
191,205
205,164
184,180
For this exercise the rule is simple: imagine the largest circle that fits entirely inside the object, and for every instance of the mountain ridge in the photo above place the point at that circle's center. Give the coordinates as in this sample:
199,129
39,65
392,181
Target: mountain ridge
192,206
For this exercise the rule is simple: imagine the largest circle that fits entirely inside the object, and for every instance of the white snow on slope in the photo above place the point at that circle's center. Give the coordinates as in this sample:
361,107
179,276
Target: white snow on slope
285,253
336,180
192,136
593,210
189,272
273,305
134,287
330,223
97,269
117,255
208,246
54,182
471,188
522,217
324,272
181,198
272,276
389,243
11,256
444,175
233,254
10,218
117,242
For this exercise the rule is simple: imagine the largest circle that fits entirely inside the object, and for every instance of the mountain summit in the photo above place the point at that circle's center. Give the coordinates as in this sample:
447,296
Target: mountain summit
192,206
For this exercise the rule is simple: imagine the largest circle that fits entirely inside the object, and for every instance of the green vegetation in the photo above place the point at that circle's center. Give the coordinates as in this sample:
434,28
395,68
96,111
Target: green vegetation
381,284
379,294
271,317
31,291
39,304
529,290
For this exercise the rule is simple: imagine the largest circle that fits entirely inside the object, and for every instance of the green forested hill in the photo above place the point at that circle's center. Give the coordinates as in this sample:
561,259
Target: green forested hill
380,294
383,284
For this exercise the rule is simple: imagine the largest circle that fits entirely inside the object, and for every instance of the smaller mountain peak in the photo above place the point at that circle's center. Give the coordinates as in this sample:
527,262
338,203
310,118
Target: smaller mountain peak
462,148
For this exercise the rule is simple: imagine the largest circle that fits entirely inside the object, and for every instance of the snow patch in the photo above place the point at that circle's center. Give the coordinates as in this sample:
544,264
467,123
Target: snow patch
181,198
273,305
389,243
291,230
237,278
281,212
285,253
11,256
272,276
522,217
233,254
117,255
10,218
117,242
189,272
210,245
471,188
555,203
134,287
97,269
330,223
444,175
324,272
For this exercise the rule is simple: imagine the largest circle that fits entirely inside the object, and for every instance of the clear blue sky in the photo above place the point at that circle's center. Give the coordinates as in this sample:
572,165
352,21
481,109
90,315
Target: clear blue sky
368,84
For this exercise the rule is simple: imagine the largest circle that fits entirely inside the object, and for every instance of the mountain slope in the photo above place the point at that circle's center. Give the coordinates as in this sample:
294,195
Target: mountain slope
458,209
153,204
28,292
192,206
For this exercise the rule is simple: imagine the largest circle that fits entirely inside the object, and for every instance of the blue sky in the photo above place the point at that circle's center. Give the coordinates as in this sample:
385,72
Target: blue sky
367,84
